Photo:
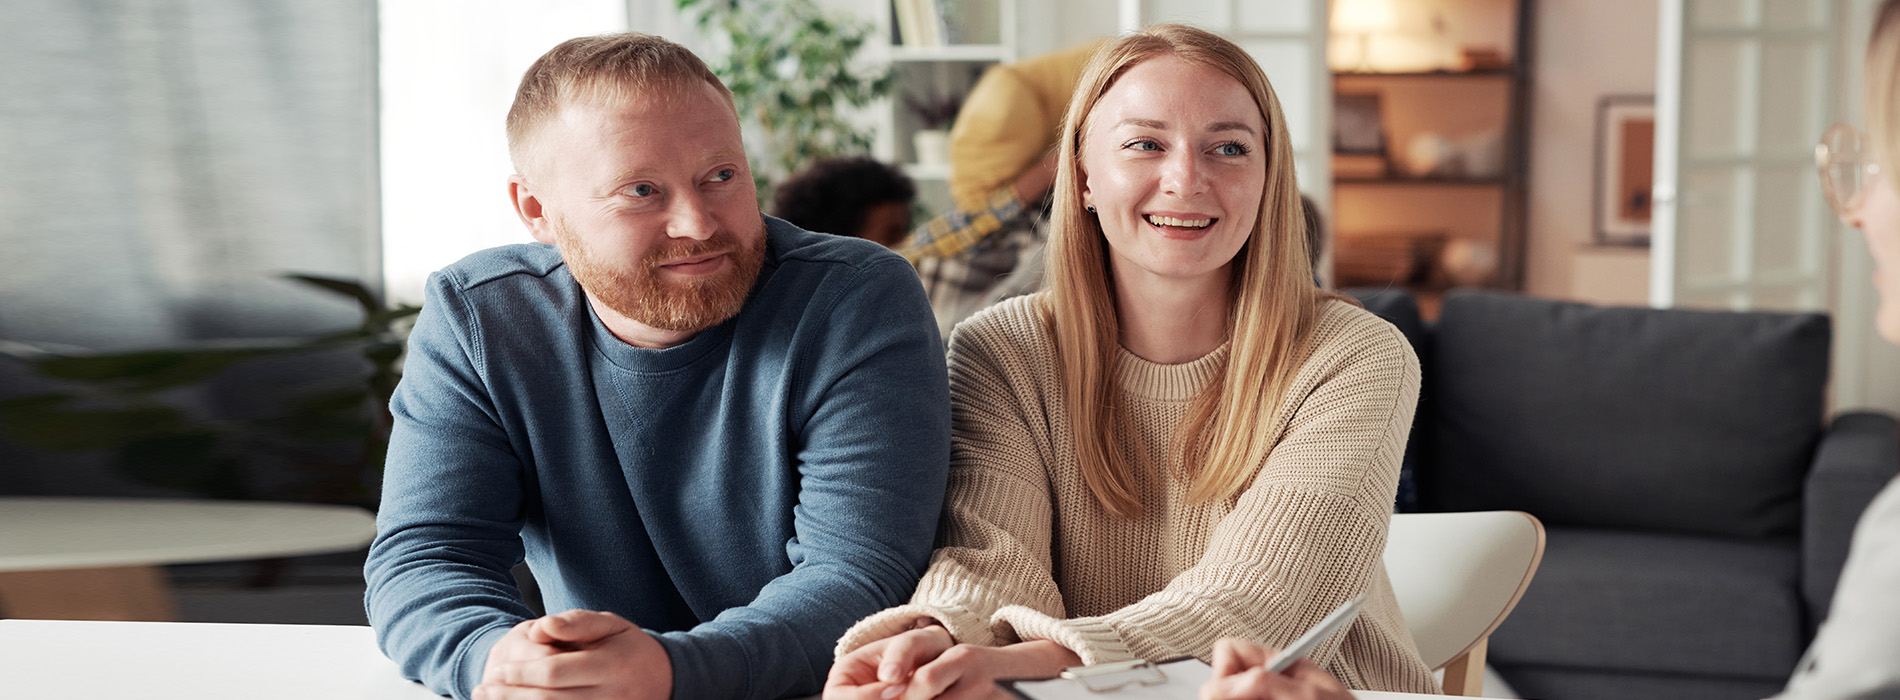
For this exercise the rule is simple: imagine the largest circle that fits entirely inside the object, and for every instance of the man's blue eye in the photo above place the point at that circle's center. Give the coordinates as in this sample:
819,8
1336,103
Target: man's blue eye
724,175
643,190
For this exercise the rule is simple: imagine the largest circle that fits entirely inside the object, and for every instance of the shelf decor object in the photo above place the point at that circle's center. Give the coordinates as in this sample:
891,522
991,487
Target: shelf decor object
1358,125
934,113
936,52
1626,146
1443,100
1359,148
923,23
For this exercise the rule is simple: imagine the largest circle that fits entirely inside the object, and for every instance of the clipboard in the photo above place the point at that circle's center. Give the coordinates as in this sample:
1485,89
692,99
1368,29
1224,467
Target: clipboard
1139,680
1171,679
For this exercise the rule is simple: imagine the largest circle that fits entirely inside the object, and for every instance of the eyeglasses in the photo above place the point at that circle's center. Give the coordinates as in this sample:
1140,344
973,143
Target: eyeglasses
1846,166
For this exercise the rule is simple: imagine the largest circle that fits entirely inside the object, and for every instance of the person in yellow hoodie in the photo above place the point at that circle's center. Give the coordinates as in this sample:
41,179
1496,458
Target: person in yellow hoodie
988,247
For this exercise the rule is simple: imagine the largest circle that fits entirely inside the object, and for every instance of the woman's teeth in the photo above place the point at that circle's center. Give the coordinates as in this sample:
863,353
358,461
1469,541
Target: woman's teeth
1178,223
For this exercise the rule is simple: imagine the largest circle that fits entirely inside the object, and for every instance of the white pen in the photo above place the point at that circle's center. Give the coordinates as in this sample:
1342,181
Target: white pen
1304,645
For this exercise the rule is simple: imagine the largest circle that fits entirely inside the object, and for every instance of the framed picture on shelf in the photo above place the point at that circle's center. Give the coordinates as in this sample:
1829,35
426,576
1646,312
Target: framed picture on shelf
1626,150
1358,125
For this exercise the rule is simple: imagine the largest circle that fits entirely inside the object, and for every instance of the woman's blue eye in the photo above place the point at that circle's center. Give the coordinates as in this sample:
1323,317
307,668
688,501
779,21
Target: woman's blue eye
1143,145
643,190
1232,149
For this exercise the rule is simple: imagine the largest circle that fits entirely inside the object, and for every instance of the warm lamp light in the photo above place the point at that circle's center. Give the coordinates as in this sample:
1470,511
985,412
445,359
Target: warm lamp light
1363,18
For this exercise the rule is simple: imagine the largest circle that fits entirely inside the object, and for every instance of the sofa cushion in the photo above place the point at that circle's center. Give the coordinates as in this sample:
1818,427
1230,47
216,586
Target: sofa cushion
1659,420
1398,307
1669,604
1564,684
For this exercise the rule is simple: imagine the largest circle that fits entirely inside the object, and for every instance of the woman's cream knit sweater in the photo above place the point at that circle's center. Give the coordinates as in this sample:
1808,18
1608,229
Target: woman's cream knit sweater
1026,552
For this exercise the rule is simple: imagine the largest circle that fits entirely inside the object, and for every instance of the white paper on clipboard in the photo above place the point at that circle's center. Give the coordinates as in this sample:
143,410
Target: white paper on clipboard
1183,679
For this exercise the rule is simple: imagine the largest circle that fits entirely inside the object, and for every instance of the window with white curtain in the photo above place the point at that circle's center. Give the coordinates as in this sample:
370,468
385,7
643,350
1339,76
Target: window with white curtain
164,162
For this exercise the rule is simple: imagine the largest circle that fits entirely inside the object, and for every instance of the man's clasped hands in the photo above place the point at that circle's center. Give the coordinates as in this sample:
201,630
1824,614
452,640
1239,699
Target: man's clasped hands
581,654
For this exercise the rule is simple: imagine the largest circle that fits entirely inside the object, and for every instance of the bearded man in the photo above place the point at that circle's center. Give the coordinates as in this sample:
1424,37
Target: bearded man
717,439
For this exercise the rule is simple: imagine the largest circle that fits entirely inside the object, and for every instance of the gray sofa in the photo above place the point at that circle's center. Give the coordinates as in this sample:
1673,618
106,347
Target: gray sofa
1698,506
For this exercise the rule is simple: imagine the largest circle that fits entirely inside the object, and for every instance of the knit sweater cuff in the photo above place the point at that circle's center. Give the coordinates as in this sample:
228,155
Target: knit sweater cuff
1091,638
965,627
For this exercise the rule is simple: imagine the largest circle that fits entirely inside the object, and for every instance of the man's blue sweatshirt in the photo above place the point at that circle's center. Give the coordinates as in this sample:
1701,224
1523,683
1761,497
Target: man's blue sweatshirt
744,496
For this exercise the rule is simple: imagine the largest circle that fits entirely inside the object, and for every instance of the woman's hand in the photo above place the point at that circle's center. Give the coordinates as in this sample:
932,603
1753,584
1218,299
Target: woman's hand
968,672
923,664
880,670
1240,673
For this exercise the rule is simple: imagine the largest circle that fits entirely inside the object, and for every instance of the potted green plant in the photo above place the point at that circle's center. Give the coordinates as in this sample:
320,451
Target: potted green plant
146,410
934,114
793,73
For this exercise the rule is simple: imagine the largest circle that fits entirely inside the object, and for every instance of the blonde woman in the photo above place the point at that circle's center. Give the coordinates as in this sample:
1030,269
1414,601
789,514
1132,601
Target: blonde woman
1182,439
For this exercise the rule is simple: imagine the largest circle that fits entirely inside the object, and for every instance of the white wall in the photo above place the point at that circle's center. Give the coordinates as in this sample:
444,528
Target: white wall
1584,50
1045,26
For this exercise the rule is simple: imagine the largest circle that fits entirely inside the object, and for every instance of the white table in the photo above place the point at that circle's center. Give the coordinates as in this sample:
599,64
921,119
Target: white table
64,660
97,558
58,660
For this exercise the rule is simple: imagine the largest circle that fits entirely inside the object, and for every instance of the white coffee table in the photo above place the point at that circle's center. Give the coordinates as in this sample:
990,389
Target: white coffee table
98,558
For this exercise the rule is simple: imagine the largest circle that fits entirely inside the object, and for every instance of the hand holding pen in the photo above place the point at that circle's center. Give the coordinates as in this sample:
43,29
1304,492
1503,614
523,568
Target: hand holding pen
1244,670
1240,673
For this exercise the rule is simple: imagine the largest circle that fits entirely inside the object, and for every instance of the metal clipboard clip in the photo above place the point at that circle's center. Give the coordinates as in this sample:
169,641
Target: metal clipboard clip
1110,677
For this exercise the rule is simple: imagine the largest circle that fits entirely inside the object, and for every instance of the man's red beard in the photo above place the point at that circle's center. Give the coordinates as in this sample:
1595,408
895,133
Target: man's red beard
640,293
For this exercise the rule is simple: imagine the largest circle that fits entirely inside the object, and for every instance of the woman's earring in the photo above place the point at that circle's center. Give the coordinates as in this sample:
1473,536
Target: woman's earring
1089,207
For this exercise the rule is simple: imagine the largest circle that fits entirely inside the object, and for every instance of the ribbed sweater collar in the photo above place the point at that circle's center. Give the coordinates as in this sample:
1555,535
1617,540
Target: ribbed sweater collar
1158,382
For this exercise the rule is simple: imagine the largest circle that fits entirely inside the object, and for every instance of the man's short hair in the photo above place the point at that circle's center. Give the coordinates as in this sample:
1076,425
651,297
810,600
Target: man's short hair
599,69
835,194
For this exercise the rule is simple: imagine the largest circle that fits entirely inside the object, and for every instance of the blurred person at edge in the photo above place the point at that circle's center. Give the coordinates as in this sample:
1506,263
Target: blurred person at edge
1856,653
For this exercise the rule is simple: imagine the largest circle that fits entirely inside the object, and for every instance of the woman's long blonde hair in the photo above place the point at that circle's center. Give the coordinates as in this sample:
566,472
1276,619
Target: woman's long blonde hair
1272,302
1883,91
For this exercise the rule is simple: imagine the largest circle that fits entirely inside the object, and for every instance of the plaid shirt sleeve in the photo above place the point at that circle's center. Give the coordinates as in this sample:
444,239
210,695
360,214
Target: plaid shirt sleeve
958,229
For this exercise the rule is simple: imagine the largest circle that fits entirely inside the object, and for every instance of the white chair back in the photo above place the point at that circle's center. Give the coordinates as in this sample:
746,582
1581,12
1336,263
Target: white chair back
1456,576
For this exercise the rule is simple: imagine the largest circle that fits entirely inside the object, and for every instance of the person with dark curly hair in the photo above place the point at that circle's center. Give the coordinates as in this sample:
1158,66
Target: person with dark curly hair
858,197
